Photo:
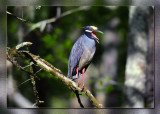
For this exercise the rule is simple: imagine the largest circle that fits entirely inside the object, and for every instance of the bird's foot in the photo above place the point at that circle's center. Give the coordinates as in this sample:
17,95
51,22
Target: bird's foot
82,88
79,84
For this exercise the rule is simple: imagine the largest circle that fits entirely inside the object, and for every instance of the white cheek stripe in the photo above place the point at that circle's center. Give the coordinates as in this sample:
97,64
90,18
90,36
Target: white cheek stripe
88,31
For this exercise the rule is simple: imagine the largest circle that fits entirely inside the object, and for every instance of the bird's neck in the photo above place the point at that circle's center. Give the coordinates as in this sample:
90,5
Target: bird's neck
88,34
88,41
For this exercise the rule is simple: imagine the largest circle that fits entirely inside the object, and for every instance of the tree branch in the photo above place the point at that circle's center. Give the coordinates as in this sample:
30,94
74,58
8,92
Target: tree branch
56,72
23,20
78,98
37,101
43,23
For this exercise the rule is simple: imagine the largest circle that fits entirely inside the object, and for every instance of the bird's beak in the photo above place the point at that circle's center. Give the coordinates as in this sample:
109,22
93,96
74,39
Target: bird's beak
97,41
99,31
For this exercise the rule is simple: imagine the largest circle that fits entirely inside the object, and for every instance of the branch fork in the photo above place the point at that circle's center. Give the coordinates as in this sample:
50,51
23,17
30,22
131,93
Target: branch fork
50,68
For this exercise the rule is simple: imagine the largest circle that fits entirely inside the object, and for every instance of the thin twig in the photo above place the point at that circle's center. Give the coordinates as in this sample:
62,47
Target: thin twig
24,82
37,101
24,44
38,71
17,65
79,100
27,80
31,63
53,19
23,20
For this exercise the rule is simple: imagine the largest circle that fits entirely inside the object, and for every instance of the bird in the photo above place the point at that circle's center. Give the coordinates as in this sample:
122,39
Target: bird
82,53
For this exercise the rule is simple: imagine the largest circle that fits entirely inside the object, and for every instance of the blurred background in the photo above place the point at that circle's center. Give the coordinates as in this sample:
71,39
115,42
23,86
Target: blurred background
121,74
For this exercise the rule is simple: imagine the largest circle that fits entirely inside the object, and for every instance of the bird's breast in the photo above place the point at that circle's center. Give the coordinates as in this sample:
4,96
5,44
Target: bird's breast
88,53
89,48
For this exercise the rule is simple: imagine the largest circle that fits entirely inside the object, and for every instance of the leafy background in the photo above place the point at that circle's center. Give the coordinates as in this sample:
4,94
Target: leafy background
54,43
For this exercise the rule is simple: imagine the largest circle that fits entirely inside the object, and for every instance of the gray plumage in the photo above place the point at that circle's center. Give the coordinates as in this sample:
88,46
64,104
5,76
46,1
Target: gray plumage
81,55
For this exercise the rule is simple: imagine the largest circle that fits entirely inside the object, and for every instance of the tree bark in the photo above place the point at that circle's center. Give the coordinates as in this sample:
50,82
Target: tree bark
136,66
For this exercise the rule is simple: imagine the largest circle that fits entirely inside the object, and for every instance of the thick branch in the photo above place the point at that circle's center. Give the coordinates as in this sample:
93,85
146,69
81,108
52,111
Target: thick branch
50,68
41,63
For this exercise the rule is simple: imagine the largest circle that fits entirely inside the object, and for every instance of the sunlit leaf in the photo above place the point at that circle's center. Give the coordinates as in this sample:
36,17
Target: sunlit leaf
108,78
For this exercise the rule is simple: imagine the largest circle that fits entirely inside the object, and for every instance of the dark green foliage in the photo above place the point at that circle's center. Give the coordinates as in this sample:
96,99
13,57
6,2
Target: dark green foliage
109,89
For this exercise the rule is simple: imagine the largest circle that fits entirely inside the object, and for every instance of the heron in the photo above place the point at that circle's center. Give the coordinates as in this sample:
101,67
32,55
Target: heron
82,53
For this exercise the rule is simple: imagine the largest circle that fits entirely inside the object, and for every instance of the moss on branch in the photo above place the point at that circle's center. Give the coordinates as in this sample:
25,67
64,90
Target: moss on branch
51,69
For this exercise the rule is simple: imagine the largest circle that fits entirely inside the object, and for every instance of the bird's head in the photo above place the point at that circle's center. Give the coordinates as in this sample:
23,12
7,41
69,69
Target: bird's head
90,31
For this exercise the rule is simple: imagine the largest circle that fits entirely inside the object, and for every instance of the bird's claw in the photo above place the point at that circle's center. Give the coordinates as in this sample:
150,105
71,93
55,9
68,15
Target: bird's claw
82,86
82,89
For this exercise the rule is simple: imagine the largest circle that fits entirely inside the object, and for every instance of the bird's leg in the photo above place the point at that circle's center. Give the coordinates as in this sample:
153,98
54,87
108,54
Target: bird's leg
77,76
83,78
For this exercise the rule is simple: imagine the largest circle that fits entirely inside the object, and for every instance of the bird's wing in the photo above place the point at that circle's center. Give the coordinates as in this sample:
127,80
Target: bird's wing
75,56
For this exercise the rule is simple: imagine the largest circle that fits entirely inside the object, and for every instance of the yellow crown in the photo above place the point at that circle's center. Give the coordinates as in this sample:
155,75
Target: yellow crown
95,28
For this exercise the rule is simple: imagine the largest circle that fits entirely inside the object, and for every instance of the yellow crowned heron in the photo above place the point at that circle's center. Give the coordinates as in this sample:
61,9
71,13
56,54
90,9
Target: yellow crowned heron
82,53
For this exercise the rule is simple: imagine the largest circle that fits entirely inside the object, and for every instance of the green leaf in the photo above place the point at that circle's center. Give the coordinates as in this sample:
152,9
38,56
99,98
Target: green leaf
72,95
100,82
108,78
95,90
109,89
68,44
49,41
57,31
90,82
49,58
83,94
